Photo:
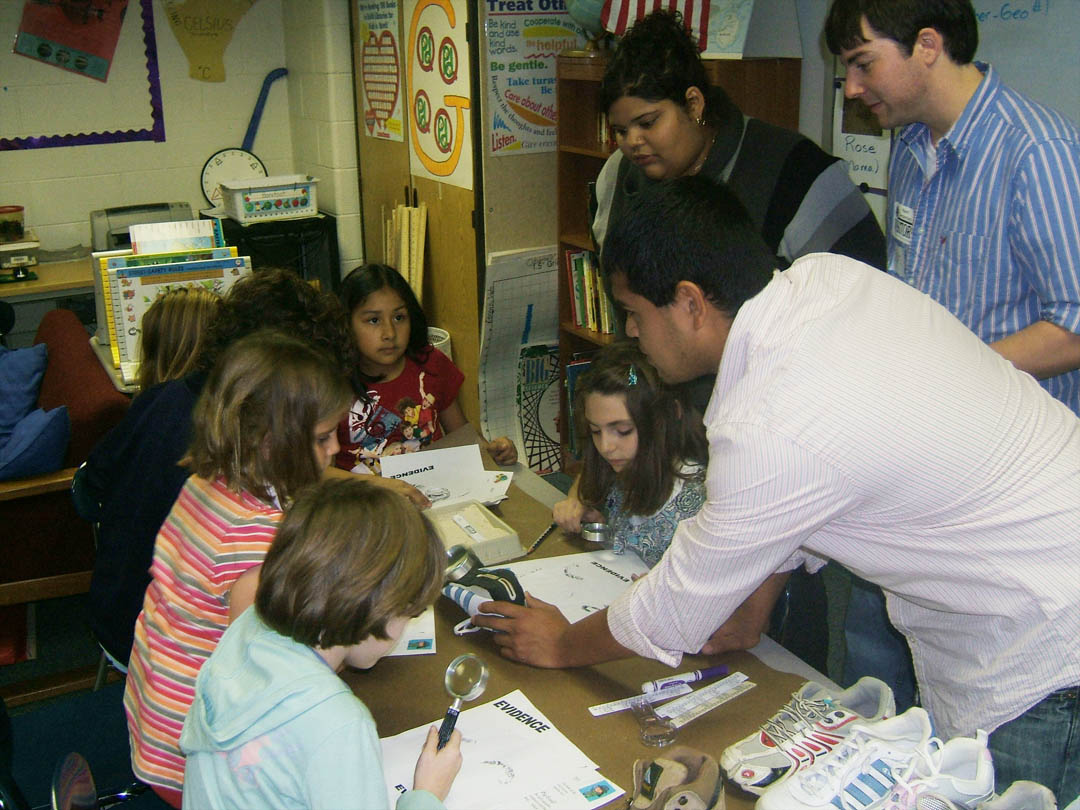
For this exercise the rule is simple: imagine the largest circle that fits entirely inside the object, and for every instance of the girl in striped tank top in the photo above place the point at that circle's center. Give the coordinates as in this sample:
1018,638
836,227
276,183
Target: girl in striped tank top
263,429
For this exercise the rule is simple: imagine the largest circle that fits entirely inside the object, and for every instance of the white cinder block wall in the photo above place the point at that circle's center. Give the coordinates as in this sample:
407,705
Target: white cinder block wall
322,112
307,126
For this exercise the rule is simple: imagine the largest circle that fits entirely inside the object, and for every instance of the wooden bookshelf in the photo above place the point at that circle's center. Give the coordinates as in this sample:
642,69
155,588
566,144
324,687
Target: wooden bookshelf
762,88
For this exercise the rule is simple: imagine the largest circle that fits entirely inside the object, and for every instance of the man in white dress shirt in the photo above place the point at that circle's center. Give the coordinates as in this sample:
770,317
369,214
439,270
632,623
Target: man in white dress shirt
854,419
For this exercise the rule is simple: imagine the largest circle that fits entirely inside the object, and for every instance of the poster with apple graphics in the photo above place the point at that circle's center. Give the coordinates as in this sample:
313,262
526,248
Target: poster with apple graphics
439,96
380,70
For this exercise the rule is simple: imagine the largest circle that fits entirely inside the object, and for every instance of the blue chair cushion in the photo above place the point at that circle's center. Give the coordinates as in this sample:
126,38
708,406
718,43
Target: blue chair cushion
21,371
37,444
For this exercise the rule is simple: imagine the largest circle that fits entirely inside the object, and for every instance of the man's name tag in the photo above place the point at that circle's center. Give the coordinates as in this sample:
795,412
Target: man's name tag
903,223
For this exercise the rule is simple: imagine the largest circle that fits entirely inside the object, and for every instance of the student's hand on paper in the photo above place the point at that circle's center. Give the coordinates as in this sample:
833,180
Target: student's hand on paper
435,770
502,451
529,634
401,488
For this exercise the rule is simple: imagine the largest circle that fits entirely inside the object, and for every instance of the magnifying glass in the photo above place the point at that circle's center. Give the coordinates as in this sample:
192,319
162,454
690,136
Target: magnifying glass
460,562
595,532
465,680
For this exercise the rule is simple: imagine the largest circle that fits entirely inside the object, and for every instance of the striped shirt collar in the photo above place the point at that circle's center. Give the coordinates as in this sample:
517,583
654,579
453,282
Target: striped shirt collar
964,132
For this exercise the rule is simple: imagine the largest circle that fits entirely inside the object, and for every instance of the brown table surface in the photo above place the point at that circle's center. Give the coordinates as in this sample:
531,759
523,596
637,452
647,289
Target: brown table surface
405,692
52,278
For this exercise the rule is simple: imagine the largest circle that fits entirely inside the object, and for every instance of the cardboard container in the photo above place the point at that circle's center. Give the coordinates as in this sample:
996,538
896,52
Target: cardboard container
473,525
287,196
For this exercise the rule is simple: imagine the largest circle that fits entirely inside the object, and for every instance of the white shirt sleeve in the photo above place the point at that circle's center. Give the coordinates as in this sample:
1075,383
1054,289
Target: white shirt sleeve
766,496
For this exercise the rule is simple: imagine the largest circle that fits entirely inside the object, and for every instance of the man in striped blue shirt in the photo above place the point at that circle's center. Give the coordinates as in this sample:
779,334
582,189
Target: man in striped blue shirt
984,203
984,183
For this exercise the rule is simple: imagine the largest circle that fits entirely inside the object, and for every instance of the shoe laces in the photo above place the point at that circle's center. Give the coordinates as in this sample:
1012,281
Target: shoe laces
910,790
798,714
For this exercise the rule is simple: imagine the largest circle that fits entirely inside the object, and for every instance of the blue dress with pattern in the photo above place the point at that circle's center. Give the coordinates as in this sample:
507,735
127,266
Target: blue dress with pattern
648,536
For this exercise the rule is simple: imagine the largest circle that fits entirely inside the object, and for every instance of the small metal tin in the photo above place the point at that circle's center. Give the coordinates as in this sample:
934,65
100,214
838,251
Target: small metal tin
595,532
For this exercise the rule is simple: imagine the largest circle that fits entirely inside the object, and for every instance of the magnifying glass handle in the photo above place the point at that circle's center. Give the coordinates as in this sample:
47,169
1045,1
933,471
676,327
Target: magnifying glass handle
447,727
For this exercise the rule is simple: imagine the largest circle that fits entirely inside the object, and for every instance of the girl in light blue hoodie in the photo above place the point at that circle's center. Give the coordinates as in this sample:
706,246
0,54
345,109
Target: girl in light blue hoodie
272,725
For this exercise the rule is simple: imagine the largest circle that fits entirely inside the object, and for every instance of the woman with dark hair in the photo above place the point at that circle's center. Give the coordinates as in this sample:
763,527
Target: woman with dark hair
668,122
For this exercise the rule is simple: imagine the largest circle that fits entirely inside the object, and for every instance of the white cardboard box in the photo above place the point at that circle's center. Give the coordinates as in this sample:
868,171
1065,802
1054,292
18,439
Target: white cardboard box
474,526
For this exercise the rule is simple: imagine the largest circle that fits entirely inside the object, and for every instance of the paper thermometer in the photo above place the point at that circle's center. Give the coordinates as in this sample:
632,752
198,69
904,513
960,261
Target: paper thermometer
682,710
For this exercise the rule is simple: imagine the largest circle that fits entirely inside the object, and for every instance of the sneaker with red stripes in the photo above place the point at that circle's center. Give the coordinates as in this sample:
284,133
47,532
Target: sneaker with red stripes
814,722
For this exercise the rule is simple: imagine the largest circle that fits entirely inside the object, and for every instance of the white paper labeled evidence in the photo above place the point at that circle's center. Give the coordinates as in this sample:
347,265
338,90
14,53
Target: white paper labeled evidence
500,769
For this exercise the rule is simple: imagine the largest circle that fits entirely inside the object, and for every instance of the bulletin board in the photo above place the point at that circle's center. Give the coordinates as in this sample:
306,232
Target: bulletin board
81,110
1032,44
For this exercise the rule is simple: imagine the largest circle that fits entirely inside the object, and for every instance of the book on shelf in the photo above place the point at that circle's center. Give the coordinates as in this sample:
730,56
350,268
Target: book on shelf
574,370
603,132
591,307
144,259
186,234
605,320
590,293
568,260
576,259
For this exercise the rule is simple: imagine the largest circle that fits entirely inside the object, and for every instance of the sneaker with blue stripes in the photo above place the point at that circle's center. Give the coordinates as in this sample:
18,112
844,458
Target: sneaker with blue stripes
894,764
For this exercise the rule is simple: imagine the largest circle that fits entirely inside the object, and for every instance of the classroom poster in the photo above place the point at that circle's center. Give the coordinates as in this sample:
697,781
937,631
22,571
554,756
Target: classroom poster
439,95
859,140
380,70
520,64
727,22
79,38
538,406
204,29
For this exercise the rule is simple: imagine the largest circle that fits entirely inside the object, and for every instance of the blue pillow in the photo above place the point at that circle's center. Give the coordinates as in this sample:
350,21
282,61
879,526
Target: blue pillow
21,371
37,444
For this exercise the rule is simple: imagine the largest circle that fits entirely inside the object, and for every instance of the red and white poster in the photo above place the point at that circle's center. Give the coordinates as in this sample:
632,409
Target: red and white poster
381,70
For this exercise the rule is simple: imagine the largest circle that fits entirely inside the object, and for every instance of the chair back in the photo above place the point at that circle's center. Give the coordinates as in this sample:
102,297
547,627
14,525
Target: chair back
73,785
7,320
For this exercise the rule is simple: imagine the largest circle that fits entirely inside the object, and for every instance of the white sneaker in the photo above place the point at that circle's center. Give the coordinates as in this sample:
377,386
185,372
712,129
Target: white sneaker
1022,796
809,726
894,764
959,775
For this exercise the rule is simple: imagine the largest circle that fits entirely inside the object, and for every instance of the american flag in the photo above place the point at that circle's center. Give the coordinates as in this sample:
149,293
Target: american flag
618,15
